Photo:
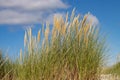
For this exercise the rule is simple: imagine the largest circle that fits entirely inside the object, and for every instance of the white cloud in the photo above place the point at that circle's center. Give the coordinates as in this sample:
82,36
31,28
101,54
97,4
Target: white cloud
13,17
32,4
94,19
28,11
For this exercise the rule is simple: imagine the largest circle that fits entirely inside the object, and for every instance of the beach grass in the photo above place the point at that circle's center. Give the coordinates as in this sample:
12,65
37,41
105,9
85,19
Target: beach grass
72,50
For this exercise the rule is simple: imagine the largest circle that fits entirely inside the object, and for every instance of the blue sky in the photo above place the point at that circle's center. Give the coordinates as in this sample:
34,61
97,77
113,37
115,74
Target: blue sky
17,15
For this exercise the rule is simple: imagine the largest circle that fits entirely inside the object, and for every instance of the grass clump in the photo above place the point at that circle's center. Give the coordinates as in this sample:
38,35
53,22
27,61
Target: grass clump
72,50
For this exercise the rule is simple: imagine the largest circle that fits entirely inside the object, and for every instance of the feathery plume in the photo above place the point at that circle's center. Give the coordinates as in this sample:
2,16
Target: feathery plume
20,54
38,37
86,29
64,27
72,15
84,19
47,31
57,23
66,18
25,39
29,31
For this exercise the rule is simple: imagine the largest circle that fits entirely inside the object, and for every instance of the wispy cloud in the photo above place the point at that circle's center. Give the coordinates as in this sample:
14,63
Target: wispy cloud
28,11
94,19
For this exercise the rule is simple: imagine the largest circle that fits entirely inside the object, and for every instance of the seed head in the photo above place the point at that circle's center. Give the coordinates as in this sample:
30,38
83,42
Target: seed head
20,54
25,39
84,19
47,31
57,23
64,29
30,32
38,37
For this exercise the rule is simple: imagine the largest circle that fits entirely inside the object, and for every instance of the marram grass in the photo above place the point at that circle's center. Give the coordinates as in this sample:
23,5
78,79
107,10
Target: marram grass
72,50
